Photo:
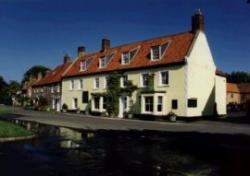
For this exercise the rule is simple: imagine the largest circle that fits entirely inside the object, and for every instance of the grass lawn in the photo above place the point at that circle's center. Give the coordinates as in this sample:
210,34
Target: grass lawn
4,110
11,130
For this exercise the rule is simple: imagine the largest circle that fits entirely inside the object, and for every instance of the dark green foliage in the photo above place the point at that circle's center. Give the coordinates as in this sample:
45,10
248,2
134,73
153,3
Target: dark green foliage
238,77
14,87
3,84
33,71
114,91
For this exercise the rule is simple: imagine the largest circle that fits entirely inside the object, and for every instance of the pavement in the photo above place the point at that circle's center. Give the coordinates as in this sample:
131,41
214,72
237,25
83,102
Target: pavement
80,121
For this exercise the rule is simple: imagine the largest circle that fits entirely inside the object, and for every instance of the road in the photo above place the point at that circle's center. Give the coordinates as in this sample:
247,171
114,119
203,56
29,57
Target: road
81,121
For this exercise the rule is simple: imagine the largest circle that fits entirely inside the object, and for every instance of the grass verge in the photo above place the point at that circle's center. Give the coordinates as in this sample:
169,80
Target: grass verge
11,130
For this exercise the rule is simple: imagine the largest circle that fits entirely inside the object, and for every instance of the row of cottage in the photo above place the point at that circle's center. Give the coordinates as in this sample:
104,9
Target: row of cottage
186,80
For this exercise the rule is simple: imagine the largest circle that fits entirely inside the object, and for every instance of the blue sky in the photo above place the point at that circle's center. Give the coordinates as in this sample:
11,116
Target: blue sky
40,32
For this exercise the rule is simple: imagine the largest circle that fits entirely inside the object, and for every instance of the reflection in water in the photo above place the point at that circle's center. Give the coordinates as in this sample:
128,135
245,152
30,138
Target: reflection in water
64,151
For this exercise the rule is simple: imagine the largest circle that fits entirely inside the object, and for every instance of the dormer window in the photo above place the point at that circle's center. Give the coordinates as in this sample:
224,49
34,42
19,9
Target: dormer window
84,64
158,51
104,61
128,56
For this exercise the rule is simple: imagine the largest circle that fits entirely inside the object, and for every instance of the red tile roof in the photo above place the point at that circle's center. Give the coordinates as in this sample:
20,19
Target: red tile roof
54,76
238,88
175,53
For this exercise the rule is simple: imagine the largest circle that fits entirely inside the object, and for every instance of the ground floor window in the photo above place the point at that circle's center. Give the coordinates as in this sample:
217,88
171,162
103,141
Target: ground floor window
149,103
192,103
174,104
159,103
75,103
96,102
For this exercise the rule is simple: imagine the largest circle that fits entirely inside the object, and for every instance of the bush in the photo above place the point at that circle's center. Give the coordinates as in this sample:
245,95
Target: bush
65,107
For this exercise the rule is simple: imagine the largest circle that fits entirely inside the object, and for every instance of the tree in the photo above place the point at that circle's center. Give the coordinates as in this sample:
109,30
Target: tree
13,87
238,77
3,84
33,71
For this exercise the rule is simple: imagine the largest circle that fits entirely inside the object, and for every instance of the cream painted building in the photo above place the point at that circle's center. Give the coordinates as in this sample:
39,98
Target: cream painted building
183,70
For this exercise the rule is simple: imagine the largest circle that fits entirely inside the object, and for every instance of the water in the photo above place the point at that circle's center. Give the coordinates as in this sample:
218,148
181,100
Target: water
59,151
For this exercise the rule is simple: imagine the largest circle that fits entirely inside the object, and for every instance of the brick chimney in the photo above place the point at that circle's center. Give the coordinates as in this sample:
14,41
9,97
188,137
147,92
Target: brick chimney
81,51
66,59
105,44
197,21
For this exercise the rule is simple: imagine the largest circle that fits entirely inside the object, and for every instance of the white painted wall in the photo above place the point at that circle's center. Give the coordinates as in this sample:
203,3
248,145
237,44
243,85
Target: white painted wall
200,78
220,94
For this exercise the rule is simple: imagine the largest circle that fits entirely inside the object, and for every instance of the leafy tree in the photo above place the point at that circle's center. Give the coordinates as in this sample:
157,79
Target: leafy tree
13,87
33,71
3,84
238,77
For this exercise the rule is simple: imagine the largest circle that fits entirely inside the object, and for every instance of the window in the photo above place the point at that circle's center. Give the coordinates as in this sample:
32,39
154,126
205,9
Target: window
128,56
174,104
159,103
85,97
96,102
145,80
96,83
52,89
124,80
192,103
149,104
71,86
75,103
103,61
58,88
164,78
84,64
80,84
158,51
232,95
104,105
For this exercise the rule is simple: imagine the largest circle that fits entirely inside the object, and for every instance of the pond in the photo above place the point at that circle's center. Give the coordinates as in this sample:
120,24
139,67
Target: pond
60,151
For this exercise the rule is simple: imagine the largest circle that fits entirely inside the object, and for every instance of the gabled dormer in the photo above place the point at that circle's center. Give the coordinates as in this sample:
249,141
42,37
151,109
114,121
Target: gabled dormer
158,51
128,56
105,60
84,64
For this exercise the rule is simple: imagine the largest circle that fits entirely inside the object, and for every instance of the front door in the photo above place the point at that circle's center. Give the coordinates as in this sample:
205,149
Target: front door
123,106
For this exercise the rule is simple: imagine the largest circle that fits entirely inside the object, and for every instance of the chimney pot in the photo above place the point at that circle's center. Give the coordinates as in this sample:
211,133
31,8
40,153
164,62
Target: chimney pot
197,21
105,44
81,51
66,59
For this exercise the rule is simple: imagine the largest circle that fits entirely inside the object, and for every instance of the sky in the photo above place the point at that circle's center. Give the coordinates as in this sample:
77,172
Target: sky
41,32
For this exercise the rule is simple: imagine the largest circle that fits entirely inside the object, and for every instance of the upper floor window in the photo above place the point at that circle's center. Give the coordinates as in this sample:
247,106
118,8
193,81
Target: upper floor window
144,79
124,80
164,78
84,64
158,51
52,89
81,84
103,61
71,86
96,83
128,56
58,88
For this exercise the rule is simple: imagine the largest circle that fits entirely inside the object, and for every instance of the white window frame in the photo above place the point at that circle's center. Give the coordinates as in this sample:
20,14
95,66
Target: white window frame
71,85
160,53
80,84
160,78
83,65
103,62
74,105
123,58
155,104
58,88
100,105
52,89
95,85
141,79
122,80
105,80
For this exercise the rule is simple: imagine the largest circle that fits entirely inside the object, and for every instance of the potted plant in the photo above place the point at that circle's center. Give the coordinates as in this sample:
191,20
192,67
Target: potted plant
64,108
172,116
78,110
